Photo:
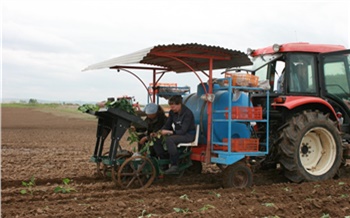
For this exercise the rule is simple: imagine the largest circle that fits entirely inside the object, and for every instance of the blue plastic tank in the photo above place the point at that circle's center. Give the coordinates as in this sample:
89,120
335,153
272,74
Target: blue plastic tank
221,102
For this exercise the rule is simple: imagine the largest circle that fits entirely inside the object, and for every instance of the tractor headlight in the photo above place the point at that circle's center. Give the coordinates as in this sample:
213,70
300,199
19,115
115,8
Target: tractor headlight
276,47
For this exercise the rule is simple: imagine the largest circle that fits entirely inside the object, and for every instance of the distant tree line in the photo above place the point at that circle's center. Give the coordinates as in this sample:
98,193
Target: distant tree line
33,101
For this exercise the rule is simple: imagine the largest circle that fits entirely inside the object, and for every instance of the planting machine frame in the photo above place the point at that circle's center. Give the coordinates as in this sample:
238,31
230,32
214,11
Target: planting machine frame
263,109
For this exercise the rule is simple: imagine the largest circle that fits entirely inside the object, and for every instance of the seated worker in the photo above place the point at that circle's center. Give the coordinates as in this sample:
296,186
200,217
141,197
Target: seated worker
155,119
280,83
185,130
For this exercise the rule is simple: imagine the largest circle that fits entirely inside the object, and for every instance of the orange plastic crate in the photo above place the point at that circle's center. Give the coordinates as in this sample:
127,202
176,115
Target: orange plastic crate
240,145
243,79
245,113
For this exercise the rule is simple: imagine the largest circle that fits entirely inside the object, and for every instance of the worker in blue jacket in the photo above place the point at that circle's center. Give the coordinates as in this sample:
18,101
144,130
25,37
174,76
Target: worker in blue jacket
184,131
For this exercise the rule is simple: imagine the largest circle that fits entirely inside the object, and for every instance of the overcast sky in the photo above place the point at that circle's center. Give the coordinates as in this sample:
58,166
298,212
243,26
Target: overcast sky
47,43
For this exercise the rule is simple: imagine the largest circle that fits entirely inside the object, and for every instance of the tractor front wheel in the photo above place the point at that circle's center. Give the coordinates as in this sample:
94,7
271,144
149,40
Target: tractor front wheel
311,147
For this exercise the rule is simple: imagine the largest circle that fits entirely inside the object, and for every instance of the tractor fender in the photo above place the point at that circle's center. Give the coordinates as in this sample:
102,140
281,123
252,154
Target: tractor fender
292,102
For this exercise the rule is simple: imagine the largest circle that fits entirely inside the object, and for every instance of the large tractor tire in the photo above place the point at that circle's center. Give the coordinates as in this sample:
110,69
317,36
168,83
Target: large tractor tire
310,147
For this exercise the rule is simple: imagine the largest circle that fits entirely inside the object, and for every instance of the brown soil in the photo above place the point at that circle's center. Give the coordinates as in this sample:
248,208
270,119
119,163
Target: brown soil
52,147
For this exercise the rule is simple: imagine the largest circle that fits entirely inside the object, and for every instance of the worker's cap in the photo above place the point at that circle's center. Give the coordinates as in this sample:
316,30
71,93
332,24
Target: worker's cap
151,108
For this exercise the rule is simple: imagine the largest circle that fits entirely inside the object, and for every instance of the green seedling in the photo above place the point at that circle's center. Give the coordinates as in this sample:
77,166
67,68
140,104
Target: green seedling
180,210
65,188
268,204
218,195
146,215
344,196
287,189
184,197
29,186
274,216
325,215
341,183
206,207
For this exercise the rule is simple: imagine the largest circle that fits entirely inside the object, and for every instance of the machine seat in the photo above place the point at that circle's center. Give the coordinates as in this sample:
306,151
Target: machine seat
191,144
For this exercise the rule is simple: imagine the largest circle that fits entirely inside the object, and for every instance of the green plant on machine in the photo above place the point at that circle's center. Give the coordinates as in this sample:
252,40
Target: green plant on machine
151,141
85,108
122,104
65,188
133,137
29,186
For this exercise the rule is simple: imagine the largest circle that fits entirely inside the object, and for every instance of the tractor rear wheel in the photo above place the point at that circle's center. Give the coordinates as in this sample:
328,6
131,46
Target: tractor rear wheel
310,147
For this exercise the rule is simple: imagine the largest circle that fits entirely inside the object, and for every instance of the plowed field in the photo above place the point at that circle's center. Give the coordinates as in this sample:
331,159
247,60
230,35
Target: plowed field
52,146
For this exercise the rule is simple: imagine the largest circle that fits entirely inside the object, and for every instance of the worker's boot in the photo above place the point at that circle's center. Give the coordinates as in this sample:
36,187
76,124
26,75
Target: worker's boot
172,170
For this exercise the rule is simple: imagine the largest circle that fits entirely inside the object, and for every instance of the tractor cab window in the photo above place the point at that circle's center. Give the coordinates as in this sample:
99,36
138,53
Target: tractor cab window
336,72
268,67
280,68
301,76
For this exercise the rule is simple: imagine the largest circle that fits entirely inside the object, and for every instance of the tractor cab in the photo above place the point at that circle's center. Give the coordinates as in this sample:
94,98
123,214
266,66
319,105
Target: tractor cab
297,71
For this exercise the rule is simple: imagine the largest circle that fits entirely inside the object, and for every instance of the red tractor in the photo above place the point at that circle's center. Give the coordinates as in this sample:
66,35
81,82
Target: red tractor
309,119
